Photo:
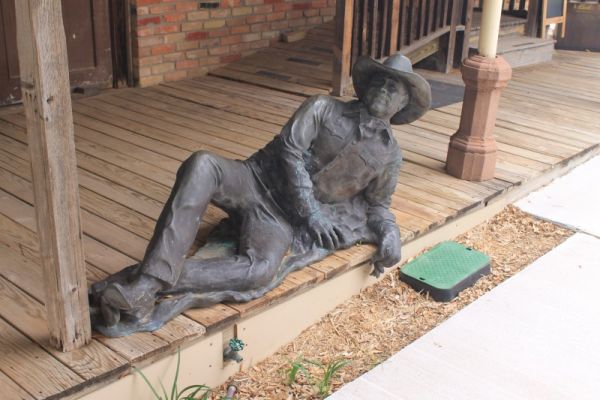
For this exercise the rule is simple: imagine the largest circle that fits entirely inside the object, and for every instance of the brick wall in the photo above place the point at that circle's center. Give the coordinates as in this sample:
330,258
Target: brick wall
178,39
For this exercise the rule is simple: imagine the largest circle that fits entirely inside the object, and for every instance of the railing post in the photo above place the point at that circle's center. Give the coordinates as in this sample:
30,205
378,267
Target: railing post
46,96
342,48
452,36
472,149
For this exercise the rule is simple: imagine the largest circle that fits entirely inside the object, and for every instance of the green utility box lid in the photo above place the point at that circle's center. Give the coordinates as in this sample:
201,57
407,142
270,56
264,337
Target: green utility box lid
445,270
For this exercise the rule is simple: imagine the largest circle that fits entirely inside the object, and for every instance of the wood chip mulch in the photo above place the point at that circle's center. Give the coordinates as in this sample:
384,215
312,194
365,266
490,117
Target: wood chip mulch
384,318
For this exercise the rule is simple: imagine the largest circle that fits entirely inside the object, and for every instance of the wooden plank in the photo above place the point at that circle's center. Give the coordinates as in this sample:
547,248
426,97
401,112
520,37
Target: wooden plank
12,391
134,348
32,368
289,87
331,266
93,362
44,74
214,317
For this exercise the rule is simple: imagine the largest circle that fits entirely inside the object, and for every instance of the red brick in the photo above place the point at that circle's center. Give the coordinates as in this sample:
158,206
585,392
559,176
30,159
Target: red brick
167,29
282,7
252,19
209,60
175,76
327,12
259,44
270,35
267,8
177,17
150,80
297,22
143,32
310,13
174,37
197,15
140,11
150,41
276,16
240,29
294,14
174,56
314,21
161,9
238,48
187,6
279,25
196,36
253,2
220,13
260,27
149,20
150,60
217,51
218,32
230,58
162,49
301,6
186,64
146,2
231,39
273,1
198,53
144,52
250,37
208,43
162,68
230,3
187,45
236,21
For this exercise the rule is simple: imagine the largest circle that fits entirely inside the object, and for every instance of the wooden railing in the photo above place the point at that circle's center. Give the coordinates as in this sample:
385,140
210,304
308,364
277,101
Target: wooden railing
380,28
514,7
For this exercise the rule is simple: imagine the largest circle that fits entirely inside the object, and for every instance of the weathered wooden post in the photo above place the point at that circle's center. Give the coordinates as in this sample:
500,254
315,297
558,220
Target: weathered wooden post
46,97
472,149
342,47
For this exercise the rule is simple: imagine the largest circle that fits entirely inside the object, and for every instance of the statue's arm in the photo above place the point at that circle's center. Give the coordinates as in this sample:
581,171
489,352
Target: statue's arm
381,220
297,136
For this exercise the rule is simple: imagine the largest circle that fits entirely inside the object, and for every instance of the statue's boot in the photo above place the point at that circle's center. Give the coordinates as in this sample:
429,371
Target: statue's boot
135,300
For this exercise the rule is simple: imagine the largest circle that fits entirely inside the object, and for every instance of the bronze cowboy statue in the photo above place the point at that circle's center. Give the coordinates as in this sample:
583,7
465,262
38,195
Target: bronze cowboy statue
324,183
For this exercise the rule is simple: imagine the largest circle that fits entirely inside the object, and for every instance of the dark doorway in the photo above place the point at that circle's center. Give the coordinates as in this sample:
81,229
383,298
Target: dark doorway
87,29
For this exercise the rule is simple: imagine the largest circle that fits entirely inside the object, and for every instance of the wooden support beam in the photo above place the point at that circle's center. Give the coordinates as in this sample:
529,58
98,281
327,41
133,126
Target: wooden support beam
46,96
342,48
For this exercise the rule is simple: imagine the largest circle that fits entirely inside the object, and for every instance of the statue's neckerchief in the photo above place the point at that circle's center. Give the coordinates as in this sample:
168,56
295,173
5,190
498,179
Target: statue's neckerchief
369,125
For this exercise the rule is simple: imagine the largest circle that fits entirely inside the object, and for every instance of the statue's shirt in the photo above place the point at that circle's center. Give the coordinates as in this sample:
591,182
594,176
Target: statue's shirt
328,152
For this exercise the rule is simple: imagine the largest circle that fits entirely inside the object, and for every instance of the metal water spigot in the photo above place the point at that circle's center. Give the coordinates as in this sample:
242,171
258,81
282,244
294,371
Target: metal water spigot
231,352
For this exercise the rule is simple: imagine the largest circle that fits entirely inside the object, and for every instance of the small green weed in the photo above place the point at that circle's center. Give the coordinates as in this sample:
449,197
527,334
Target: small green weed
323,386
187,393
329,372
296,366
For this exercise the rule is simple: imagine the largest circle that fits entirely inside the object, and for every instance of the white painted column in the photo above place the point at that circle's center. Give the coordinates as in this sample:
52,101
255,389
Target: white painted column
490,27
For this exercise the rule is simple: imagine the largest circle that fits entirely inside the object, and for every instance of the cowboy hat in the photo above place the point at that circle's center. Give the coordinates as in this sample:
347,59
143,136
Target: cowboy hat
399,68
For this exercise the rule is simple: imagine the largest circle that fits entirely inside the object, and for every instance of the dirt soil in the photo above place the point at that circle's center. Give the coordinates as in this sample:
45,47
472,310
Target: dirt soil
384,318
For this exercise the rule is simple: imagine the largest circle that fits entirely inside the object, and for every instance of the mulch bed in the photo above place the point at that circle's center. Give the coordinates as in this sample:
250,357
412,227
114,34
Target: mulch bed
384,318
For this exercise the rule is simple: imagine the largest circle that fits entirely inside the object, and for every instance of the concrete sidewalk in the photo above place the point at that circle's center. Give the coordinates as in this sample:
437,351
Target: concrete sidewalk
535,336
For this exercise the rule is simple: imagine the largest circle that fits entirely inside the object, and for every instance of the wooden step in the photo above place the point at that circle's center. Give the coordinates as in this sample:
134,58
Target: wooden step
520,51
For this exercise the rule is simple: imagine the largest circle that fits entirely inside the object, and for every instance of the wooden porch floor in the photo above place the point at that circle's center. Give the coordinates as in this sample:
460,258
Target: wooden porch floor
130,143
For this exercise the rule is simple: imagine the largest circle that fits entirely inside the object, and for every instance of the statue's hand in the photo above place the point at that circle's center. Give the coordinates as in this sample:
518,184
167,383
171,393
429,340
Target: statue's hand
388,252
324,232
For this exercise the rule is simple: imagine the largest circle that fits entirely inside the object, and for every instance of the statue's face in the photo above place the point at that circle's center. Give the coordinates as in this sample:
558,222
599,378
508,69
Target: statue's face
385,97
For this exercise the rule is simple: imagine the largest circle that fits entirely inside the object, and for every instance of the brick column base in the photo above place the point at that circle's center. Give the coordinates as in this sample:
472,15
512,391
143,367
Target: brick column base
472,149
